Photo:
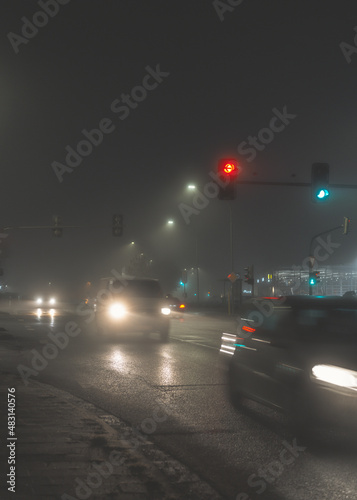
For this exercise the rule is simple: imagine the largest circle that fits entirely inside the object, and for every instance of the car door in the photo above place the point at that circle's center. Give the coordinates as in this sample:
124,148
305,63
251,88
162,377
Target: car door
272,357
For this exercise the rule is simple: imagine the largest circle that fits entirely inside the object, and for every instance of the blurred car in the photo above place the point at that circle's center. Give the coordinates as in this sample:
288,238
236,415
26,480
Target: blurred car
298,354
88,302
132,304
45,304
43,301
177,307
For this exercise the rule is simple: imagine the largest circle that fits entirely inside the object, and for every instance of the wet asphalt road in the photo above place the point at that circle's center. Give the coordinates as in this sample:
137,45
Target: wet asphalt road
177,393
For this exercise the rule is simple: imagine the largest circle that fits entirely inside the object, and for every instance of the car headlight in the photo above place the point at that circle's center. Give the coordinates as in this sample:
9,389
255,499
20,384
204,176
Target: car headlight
39,301
52,301
117,311
165,311
335,375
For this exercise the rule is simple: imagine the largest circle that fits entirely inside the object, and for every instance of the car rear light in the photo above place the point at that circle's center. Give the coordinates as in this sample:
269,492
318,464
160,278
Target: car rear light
248,329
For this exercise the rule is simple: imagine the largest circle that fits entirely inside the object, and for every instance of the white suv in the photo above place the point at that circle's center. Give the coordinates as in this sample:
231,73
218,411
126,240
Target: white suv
132,304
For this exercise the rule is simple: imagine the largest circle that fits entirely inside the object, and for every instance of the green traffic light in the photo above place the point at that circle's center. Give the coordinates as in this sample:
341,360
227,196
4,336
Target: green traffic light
312,281
322,194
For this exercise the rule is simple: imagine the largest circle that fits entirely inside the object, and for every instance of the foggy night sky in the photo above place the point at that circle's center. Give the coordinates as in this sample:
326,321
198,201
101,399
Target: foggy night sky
225,78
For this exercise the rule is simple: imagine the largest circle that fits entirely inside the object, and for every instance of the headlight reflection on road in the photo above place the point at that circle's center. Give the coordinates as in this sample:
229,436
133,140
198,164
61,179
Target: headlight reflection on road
164,365
40,312
165,372
118,360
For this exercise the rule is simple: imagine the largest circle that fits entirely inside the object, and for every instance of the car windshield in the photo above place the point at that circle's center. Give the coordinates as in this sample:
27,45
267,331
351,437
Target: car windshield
336,324
138,288
264,317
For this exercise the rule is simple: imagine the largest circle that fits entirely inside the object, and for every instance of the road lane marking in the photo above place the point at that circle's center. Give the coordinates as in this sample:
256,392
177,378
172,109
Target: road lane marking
196,343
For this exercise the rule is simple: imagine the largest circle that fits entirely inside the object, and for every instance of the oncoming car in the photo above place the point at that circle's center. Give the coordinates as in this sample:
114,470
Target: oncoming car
132,305
44,304
298,354
177,307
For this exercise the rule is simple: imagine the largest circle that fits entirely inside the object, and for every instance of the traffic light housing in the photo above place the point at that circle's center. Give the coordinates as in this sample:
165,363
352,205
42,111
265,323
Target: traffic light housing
117,225
249,275
228,170
314,278
320,182
57,228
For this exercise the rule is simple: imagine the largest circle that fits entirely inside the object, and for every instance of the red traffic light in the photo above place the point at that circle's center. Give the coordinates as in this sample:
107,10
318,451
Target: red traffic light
227,170
228,167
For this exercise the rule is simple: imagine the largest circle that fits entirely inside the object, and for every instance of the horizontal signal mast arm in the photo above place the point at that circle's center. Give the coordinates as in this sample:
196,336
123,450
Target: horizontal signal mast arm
297,184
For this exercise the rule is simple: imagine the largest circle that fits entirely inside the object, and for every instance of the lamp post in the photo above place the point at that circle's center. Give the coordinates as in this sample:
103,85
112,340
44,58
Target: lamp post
193,187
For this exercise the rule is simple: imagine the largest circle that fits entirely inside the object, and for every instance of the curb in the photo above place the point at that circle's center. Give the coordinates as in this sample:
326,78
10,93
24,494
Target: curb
69,449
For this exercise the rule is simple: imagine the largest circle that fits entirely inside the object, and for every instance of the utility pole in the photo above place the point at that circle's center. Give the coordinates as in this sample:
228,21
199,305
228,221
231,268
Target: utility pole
197,274
312,258
232,254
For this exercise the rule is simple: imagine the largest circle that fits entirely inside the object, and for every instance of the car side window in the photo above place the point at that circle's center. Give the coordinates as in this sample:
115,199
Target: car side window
342,324
311,324
271,325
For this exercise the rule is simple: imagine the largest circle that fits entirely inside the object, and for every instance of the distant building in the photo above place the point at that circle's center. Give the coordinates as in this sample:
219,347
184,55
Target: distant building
334,280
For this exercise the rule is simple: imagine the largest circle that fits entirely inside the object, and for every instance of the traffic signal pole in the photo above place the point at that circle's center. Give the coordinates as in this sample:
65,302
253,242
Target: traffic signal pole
197,274
57,225
232,254
231,237
312,258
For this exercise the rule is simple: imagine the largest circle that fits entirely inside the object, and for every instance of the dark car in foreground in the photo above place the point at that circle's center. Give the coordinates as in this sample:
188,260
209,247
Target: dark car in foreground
298,354
132,305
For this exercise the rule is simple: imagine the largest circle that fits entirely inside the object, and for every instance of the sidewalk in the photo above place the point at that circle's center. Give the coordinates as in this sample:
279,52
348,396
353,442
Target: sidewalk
67,449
